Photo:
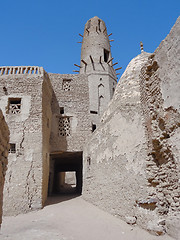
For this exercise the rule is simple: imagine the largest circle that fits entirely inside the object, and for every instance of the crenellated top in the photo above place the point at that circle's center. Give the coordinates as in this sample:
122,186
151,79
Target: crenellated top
13,70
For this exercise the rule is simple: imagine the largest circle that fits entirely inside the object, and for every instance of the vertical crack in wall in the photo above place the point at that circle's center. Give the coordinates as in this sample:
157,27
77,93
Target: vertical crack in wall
9,180
31,185
23,135
30,181
21,148
160,125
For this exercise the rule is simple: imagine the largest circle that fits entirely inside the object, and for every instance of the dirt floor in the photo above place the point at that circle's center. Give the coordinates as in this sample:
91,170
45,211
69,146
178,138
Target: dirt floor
71,218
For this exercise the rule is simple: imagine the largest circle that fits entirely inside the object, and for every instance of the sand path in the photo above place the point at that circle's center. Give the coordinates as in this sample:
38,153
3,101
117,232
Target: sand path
67,218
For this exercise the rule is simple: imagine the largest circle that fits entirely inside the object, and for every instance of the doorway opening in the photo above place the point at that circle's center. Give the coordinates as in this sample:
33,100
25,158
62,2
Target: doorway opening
65,173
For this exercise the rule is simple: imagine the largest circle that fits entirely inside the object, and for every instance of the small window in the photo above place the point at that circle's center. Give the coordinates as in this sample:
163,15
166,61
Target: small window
93,127
61,110
93,112
64,126
12,148
66,85
14,105
106,55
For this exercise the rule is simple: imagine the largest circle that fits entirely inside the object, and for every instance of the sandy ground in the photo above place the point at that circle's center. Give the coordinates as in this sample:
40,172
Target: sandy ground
67,218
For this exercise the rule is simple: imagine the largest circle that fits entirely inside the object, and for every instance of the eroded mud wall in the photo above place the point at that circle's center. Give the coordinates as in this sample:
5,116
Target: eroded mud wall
4,147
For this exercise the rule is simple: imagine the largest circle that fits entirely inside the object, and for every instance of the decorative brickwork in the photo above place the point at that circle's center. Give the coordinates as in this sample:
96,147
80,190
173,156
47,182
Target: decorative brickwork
20,70
66,85
64,126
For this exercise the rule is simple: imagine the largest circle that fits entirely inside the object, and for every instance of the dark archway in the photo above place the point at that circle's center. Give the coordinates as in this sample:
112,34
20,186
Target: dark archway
61,165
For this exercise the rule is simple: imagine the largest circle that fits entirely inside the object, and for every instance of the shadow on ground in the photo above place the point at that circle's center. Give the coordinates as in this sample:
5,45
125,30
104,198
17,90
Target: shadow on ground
57,198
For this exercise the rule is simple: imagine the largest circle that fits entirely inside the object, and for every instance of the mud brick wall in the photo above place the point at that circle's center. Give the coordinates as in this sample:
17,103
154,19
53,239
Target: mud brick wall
23,182
4,147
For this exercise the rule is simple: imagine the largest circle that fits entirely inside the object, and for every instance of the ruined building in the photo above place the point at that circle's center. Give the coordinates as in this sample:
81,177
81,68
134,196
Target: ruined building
129,164
132,161
50,116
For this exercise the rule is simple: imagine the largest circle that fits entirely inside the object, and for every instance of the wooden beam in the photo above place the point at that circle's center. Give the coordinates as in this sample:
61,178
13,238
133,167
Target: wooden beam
75,71
100,59
83,61
80,35
110,60
77,65
112,40
91,58
117,73
114,64
118,68
79,42
92,61
109,34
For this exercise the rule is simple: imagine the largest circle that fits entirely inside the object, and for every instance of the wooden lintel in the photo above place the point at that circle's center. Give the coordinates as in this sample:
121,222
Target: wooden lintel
80,35
83,61
77,65
109,34
114,64
110,60
118,68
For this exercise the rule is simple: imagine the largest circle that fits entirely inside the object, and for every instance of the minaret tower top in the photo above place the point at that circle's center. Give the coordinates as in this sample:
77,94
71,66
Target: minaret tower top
96,62
96,49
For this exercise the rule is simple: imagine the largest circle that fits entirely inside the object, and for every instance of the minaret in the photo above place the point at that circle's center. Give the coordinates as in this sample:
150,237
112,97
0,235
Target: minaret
96,62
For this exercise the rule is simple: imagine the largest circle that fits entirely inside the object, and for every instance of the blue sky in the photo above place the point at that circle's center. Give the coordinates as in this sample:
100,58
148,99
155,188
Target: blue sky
45,33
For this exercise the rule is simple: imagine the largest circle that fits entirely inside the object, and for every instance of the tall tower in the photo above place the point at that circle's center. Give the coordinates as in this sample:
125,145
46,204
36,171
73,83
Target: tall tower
96,62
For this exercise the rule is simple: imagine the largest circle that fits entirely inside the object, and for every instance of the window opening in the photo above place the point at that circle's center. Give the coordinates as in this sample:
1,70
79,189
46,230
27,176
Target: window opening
93,127
64,126
12,148
66,85
106,55
93,112
14,105
5,90
61,110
